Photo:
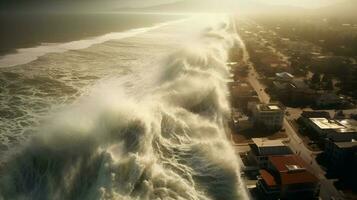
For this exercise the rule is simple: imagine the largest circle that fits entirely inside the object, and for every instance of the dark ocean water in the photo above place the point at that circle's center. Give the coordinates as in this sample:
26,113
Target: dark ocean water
23,30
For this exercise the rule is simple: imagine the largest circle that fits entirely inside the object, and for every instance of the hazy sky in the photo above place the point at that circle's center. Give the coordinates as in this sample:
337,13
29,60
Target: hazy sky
110,4
302,3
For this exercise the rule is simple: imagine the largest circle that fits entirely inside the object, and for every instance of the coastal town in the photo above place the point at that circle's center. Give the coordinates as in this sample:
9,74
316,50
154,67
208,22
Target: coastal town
293,128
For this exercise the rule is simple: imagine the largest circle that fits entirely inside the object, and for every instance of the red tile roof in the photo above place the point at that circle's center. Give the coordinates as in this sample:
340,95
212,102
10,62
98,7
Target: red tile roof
295,175
268,178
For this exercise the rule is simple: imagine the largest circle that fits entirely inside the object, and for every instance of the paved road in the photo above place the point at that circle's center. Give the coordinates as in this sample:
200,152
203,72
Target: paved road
327,191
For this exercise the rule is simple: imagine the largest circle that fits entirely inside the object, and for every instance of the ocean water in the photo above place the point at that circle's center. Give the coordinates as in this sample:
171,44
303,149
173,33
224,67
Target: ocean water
137,115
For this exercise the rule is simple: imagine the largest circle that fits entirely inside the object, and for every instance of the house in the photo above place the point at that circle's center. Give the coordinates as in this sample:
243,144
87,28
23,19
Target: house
261,148
269,115
287,177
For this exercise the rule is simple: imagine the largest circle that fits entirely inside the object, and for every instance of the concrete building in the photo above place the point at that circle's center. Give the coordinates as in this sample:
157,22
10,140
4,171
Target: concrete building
293,91
269,115
340,130
287,177
241,122
261,148
341,162
340,154
242,93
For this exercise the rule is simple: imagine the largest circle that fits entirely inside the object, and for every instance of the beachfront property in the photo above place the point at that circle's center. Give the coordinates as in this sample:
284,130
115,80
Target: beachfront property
269,115
241,121
261,148
287,177
242,94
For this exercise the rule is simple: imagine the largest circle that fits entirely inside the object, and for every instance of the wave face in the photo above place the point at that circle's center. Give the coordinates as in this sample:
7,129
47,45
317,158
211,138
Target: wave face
161,139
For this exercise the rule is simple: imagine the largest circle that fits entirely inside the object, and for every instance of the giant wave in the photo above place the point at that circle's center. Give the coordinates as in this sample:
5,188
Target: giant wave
165,143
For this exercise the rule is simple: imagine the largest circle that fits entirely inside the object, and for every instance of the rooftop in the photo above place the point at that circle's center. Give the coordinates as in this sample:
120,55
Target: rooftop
315,114
268,178
345,145
269,107
265,142
284,75
324,123
266,147
299,84
292,169
339,126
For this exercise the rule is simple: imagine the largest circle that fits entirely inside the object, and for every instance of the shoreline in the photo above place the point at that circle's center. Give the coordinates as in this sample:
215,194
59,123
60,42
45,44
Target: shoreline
26,55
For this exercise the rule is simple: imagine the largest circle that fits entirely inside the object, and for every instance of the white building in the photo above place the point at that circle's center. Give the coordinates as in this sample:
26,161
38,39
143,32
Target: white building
336,130
270,115
263,147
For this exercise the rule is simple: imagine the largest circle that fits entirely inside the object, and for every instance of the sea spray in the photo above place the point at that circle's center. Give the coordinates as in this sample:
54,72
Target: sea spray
166,143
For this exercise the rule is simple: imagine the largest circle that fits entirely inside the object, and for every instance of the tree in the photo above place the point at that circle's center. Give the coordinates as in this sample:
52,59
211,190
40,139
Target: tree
329,84
316,78
327,81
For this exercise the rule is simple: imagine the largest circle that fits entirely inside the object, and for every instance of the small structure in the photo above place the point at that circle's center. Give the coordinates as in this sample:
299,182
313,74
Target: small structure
269,115
241,122
284,76
287,177
263,147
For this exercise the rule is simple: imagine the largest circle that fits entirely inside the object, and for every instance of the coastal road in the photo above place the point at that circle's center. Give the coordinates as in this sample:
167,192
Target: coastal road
327,191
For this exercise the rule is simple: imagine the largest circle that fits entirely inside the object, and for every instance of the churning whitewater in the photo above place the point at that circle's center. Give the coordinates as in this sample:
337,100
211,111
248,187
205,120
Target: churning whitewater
162,138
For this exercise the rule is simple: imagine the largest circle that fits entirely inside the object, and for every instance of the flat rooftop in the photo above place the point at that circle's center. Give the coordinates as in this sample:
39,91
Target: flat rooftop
345,145
265,142
292,170
340,126
269,107
324,123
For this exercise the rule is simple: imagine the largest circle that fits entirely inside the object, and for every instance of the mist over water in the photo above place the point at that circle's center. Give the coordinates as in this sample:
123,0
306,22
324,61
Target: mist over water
155,134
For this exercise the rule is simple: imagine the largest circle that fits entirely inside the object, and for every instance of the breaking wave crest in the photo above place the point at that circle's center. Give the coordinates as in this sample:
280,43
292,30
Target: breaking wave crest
166,143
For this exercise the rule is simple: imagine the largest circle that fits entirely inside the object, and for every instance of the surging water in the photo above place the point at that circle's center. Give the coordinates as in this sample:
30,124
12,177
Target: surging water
160,136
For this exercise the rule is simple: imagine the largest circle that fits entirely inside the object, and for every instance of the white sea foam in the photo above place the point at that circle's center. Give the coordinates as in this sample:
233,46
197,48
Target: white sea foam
162,141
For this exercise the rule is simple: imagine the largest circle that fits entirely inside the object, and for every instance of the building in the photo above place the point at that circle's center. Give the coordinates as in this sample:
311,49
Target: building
284,76
339,154
341,161
241,122
340,130
329,99
269,116
293,91
242,93
261,148
287,177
